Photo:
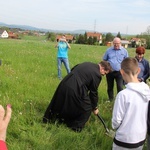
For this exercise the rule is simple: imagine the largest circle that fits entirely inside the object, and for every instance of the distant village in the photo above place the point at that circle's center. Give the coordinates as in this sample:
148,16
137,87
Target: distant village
91,37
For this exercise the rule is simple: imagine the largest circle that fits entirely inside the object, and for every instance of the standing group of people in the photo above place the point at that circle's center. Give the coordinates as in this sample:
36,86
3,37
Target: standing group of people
131,110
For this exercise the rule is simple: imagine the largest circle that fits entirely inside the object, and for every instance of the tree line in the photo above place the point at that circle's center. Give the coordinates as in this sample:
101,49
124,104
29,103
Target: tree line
82,38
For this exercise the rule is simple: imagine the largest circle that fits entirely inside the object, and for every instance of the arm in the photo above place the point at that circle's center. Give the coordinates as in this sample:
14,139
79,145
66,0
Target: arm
4,121
105,57
64,40
68,45
56,45
118,112
146,72
93,93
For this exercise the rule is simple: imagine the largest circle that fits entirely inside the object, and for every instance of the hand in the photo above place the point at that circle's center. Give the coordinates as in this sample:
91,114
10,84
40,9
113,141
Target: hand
96,111
4,121
140,80
63,40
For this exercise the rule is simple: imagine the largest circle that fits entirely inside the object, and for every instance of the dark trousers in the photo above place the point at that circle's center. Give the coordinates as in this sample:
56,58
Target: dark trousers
111,77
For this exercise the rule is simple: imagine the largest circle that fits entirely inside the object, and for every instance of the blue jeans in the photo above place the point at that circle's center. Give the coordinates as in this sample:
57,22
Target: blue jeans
65,61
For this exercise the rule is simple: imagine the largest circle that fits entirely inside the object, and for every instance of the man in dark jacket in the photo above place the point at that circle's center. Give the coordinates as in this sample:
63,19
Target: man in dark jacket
77,95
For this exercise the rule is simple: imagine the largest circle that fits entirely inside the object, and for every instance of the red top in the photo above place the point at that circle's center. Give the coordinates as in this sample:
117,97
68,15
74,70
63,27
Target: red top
3,145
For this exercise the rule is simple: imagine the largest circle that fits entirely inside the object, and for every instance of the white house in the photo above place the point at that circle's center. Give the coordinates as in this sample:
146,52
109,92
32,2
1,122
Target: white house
3,34
125,43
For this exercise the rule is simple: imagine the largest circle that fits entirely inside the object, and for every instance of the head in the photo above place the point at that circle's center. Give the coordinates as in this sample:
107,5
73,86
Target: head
129,67
117,43
140,51
105,67
63,38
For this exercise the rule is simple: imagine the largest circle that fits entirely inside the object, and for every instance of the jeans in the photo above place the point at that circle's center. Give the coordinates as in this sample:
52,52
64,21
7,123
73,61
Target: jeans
65,61
115,75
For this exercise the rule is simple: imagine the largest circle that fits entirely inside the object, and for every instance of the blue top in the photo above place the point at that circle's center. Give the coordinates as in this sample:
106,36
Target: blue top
115,57
62,50
140,75
145,69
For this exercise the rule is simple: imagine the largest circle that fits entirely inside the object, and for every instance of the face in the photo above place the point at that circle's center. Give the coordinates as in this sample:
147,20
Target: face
103,71
117,43
63,37
139,56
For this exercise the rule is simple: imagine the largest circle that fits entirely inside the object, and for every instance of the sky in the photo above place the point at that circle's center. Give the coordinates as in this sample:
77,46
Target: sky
124,16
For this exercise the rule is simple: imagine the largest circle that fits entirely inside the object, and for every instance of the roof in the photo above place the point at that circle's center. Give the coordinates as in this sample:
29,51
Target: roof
124,42
135,39
68,37
94,34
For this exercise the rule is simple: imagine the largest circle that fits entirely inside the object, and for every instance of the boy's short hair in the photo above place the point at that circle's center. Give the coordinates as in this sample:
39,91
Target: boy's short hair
130,65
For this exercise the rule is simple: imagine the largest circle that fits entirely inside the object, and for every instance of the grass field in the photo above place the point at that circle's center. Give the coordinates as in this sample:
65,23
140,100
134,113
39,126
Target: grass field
28,81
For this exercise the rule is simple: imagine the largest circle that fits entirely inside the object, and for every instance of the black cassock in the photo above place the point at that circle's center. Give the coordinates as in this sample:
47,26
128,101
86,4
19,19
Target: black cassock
76,96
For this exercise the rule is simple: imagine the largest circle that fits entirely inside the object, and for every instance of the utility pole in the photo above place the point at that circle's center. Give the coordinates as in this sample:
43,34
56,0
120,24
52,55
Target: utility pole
127,30
95,26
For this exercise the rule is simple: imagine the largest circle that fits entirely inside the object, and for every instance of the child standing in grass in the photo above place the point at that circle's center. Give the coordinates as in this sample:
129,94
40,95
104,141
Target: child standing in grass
130,109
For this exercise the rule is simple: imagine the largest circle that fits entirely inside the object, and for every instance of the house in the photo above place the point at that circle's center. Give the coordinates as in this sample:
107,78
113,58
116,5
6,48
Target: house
108,44
12,35
95,34
69,38
3,34
124,43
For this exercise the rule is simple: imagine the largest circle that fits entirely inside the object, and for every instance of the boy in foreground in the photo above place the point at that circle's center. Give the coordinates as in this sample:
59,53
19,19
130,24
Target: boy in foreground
130,109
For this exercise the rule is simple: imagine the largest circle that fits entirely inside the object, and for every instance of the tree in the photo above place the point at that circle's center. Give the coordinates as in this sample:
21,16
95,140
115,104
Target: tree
90,40
119,35
109,37
51,36
80,39
94,40
146,35
103,39
85,38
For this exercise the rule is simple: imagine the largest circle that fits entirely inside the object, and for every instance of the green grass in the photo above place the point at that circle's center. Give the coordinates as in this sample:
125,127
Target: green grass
28,82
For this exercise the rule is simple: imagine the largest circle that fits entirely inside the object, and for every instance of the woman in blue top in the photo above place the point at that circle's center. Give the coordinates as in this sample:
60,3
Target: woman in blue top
143,64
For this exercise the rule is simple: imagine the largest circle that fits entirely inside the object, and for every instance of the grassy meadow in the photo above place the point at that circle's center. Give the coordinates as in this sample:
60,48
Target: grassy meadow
28,80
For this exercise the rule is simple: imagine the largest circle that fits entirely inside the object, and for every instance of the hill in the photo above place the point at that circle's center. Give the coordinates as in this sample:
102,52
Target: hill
26,27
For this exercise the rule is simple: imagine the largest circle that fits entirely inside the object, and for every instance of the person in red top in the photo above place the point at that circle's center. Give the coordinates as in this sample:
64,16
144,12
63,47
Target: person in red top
4,121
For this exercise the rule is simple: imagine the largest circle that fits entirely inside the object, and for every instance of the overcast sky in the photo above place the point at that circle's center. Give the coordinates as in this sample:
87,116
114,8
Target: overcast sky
124,16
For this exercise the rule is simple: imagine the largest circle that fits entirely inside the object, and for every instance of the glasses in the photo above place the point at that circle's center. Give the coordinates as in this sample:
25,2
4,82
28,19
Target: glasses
116,43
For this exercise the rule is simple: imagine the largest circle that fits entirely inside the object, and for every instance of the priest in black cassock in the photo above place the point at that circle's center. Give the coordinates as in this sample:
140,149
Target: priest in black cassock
77,95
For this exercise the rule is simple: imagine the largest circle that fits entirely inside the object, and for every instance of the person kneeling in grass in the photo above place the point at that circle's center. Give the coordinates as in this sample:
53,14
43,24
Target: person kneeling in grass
77,95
